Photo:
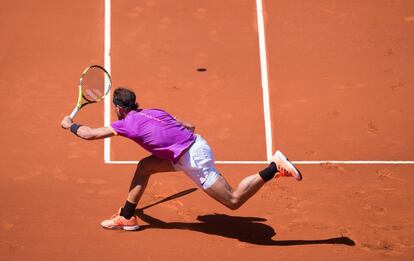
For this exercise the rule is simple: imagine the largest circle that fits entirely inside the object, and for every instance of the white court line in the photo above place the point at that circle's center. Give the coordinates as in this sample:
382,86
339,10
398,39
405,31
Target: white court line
356,162
107,62
217,162
265,82
298,162
266,103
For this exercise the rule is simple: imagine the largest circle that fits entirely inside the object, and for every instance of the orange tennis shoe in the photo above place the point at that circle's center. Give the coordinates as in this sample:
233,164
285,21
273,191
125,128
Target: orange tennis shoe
119,222
285,168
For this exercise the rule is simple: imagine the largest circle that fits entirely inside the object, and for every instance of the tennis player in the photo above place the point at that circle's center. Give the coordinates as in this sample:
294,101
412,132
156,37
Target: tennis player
174,147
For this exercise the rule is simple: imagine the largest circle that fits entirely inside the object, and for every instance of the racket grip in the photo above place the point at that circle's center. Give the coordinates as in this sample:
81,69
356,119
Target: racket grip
74,112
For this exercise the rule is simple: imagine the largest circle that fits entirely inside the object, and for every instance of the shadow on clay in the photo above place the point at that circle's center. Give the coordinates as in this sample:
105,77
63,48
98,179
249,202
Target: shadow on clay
245,229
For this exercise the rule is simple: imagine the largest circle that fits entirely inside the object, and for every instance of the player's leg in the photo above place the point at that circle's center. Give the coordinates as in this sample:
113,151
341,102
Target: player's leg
233,199
220,190
146,167
126,219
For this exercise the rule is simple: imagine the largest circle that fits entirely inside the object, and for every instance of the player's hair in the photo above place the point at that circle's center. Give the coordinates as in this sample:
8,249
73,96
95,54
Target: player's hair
125,98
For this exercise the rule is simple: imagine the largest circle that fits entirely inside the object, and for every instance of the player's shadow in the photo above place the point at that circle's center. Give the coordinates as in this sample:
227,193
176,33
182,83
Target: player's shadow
244,229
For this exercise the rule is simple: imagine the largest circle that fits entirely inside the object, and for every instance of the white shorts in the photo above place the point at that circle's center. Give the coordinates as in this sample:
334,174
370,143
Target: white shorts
198,164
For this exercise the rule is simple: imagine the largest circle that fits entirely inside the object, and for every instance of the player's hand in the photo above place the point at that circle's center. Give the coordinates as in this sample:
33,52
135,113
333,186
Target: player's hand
66,122
190,127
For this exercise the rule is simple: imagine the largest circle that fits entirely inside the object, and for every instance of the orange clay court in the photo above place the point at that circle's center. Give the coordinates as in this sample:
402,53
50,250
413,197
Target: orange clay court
340,83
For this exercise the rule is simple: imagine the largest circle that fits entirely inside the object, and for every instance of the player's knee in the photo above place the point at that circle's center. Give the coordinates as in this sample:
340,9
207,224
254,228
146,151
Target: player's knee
144,167
234,204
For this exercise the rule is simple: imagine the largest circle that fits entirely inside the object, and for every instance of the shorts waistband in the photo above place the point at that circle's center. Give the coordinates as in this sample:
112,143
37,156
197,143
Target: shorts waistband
185,150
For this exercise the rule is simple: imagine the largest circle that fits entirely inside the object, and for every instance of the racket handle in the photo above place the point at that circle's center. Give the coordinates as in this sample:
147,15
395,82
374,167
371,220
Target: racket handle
74,112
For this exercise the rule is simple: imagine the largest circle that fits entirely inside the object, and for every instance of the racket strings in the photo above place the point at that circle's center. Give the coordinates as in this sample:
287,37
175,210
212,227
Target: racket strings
94,84
93,94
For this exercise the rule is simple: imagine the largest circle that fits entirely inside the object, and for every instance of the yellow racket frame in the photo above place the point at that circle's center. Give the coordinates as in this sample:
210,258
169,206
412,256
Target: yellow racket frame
79,104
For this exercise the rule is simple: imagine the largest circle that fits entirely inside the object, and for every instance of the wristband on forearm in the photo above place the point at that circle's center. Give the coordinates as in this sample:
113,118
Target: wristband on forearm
74,128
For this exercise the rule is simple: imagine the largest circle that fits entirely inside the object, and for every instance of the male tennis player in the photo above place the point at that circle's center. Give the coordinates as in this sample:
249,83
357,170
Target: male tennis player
174,147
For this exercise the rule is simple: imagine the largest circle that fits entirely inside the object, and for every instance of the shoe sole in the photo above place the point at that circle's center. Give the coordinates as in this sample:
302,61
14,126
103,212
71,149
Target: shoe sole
127,228
297,172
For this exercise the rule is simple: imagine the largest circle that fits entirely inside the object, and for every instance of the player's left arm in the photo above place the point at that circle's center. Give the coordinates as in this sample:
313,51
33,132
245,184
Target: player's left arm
88,133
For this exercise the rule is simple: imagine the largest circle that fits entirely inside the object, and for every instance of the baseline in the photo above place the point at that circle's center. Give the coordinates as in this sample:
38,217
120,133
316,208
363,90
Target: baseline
301,162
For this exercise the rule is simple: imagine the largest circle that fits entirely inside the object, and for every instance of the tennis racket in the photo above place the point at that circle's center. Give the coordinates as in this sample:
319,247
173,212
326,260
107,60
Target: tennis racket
95,82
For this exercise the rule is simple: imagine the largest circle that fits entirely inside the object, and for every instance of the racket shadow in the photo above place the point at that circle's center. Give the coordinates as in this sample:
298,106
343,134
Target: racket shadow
177,195
245,229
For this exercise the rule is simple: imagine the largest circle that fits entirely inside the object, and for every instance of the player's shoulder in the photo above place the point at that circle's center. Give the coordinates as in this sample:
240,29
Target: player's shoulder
153,111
